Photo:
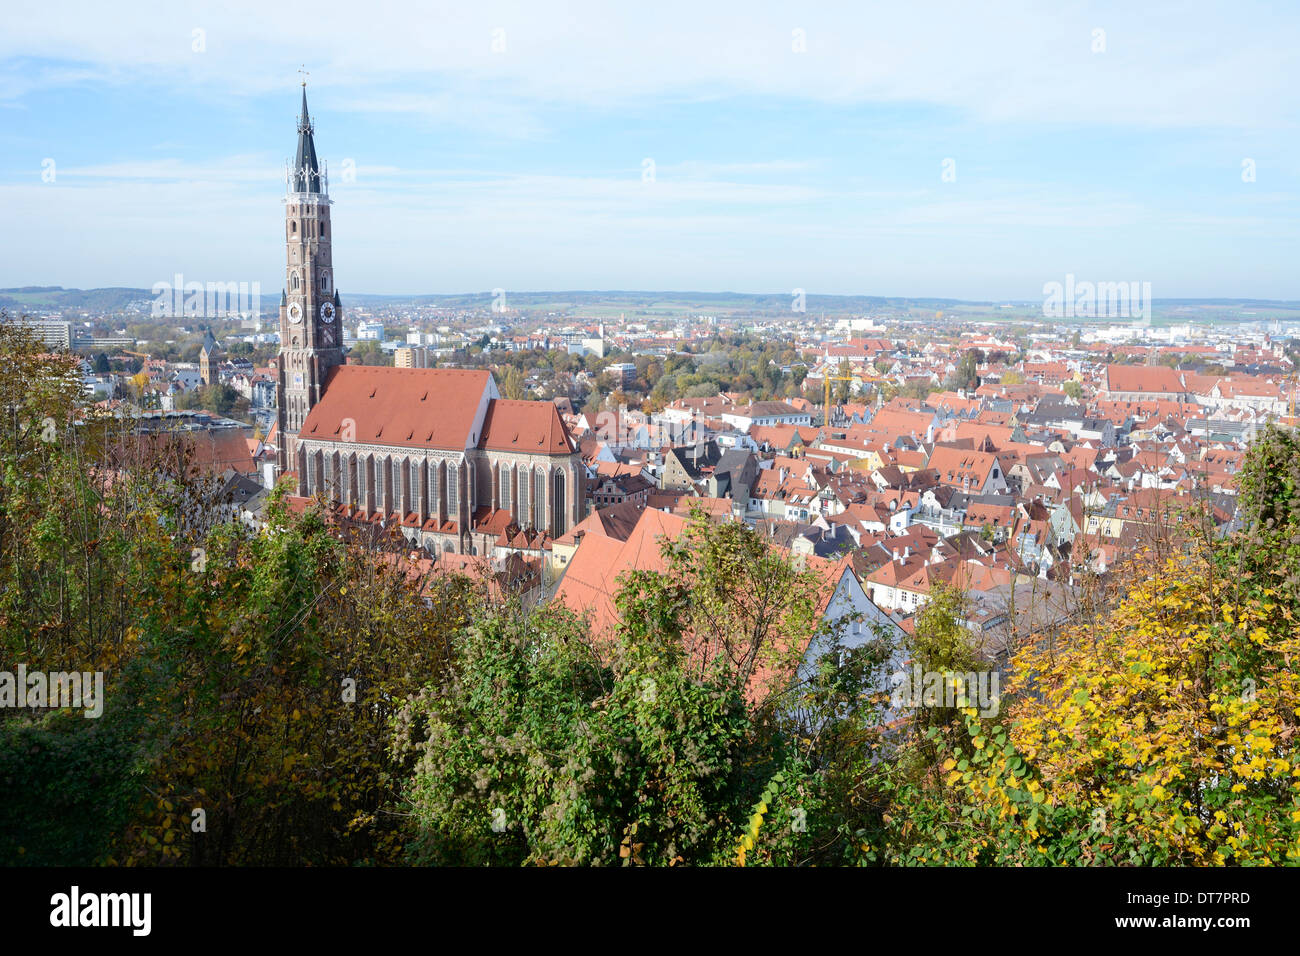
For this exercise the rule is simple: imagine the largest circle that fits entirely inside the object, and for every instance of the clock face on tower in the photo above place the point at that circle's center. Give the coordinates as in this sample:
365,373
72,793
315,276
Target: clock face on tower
295,313
327,311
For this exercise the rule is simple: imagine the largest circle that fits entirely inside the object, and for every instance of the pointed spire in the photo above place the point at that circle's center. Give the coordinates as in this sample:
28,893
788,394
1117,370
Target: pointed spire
306,169
304,121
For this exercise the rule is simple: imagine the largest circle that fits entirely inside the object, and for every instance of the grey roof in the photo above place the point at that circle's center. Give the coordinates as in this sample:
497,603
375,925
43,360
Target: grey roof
693,458
733,461
997,501
239,489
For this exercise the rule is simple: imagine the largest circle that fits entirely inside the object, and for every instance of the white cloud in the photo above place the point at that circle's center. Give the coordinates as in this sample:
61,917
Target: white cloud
1017,68
1165,63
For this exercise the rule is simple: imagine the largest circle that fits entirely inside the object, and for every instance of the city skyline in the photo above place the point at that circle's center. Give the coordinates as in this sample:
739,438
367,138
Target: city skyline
846,153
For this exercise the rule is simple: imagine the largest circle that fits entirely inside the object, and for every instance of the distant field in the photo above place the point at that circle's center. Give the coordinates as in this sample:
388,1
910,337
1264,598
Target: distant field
609,305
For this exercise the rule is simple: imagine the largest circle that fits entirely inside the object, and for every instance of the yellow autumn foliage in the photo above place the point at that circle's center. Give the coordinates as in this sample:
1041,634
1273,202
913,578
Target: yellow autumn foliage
1163,732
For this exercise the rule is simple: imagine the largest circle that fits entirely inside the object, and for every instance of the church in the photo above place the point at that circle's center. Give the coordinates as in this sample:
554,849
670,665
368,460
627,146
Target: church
436,452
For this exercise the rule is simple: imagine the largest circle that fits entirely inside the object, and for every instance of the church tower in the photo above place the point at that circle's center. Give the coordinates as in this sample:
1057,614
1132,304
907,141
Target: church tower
207,356
311,315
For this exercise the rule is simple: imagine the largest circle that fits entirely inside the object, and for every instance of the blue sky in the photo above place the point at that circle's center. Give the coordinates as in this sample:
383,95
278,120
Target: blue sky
504,144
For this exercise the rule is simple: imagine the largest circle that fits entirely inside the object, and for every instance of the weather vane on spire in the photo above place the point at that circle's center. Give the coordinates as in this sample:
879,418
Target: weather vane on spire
303,70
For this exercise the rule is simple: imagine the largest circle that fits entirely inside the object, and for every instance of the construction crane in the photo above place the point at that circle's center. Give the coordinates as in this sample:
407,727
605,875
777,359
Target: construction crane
826,402
828,378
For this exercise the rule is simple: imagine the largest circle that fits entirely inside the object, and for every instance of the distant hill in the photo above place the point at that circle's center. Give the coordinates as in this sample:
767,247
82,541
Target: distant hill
613,302
54,298
654,301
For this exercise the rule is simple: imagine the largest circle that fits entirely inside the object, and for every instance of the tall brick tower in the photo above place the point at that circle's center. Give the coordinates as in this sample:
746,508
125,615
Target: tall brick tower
311,314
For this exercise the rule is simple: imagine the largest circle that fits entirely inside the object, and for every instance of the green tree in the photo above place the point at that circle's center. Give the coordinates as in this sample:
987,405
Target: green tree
537,752
512,385
966,375
249,676
843,388
219,397
655,743
940,643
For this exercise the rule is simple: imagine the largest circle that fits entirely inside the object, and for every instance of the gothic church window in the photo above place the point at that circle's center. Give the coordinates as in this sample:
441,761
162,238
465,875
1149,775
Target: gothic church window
539,497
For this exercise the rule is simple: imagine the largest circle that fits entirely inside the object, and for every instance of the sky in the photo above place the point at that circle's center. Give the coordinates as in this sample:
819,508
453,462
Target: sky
962,150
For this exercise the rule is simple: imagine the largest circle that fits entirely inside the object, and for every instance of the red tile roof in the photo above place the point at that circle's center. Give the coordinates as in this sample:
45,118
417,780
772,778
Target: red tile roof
431,408
590,581
591,584
409,407
532,427
956,464
1143,378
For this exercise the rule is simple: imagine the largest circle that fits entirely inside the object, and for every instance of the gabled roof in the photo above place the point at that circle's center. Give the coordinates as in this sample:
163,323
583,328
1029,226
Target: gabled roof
763,410
734,459
531,427
590,582
1143,378
693,459
784,436
614,521
955,464
407,407
211,451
